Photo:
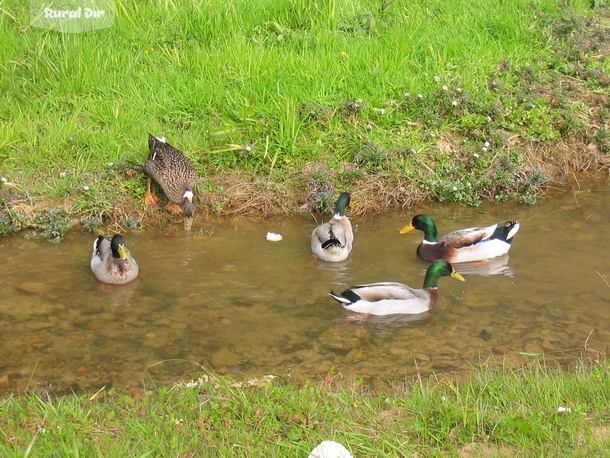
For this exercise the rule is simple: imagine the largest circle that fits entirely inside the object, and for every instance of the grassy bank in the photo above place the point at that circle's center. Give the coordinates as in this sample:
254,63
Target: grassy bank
534,411
394,101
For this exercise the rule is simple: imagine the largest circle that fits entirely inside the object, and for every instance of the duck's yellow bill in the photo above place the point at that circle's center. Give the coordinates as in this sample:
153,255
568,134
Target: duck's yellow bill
457,276
408,228
123,252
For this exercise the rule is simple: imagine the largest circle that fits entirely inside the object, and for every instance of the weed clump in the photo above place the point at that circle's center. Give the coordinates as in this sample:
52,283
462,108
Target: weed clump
321,196
52,224
11,222
373,157
91,223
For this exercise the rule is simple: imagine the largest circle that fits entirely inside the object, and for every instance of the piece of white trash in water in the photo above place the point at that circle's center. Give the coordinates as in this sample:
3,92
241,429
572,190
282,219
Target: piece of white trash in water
330,449
273,237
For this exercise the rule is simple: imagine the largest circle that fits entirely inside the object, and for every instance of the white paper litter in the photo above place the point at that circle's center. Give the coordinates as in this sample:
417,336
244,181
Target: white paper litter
273,237
330,449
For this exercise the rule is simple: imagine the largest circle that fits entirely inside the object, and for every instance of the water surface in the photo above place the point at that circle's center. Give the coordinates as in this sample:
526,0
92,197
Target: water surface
223,297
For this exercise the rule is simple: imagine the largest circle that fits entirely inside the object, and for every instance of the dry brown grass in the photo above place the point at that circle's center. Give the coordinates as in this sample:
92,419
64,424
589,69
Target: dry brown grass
248,194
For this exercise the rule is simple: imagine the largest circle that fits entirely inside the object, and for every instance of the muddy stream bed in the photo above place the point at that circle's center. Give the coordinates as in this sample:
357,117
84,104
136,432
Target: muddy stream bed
224,298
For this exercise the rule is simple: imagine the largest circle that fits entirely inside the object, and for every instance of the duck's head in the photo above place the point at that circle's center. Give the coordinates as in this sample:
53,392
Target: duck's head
440,268
189,209
342,203
117,245
423,223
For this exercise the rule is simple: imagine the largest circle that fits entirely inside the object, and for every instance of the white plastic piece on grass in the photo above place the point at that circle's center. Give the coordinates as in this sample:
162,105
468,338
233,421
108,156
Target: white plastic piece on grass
562,409
330,449
273,237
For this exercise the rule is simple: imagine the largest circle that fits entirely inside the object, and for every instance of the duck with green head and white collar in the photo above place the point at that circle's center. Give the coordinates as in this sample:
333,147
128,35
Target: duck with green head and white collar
111,261
332,241
389,298
464,245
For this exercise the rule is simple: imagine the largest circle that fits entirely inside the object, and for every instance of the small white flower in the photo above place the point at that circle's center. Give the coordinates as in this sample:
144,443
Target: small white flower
110,164
454,103
273,237
484,149
488,118
437,78
413,150
486,144
62,174
445,88
455,188
459,89
382,111
407,94
421,96
4,180
86,188
475,155
358,100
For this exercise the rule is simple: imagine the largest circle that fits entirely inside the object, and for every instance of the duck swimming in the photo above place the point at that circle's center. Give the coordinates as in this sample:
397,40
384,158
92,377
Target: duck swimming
465,245
332,241
388,298
111,261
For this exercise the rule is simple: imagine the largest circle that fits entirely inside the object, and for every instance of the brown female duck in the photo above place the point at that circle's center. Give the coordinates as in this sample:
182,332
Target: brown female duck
173,171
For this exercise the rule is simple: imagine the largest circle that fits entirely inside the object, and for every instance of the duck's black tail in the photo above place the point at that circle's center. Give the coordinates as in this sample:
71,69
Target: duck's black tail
346,297
331,242
506,232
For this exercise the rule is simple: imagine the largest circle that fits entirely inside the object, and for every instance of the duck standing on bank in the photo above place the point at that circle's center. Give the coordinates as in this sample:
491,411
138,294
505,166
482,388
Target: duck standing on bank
389,298
173,171
111,261
465,245
333,241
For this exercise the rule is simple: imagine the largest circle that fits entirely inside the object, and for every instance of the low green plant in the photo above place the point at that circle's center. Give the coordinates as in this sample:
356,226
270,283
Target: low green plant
603,138
52,224
11,222
372,157
130,223
91,223
322,202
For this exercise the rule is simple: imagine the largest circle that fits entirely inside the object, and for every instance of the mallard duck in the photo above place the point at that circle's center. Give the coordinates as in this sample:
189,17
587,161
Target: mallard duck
465,245
388,298
111,261
332,241
174,173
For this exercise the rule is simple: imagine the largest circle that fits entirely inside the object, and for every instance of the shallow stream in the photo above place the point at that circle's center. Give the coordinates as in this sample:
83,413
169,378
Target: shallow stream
224,298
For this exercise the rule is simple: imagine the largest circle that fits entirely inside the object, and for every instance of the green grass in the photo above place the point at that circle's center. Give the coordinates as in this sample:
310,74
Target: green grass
272,86
501,412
